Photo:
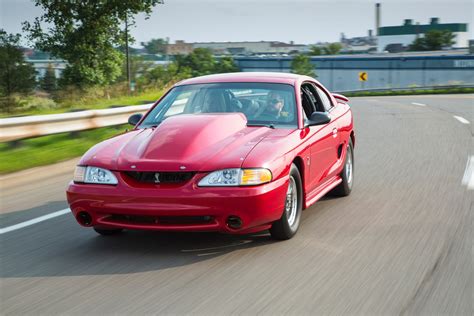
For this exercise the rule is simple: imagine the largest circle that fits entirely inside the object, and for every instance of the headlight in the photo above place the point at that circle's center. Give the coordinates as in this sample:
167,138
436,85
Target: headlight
96,175
236,177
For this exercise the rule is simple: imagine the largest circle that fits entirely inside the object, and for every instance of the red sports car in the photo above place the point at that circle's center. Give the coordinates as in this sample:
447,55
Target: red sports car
235,153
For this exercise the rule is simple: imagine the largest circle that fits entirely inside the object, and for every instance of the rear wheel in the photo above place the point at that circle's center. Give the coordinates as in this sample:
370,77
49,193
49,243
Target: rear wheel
108,232
347,175
287,226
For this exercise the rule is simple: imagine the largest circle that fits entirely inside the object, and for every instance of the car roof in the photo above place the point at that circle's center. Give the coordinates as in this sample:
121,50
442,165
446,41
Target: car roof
270,77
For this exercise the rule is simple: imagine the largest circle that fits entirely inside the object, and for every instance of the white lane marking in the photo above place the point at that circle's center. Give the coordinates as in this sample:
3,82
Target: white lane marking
461,119
34,221
468,178
419,104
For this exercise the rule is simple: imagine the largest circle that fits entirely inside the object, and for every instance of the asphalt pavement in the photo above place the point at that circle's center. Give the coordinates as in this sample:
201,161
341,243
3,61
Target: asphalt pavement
400,244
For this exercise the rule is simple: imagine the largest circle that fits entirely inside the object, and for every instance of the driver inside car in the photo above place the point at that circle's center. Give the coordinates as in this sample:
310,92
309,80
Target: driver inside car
273,108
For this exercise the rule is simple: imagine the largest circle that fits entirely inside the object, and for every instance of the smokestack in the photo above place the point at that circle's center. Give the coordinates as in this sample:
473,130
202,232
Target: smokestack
377,18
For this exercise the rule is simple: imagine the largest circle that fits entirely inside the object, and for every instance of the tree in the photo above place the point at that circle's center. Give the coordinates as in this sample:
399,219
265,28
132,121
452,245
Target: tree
155,46
315,51
16,75
86,34
332,49
200,61
226,64
49,82
164,75
138,67
301,64
433,40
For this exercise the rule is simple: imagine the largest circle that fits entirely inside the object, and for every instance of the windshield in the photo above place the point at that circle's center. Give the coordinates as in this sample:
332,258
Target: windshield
269,104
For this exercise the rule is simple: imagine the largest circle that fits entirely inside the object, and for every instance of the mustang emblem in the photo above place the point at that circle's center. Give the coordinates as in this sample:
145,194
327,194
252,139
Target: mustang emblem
157,177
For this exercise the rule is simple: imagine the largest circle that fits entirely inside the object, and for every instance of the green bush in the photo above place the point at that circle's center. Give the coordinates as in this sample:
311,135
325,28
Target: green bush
301,65
17,103
38,103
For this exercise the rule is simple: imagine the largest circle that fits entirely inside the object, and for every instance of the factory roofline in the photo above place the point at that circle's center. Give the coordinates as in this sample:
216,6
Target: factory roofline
421,28
272,43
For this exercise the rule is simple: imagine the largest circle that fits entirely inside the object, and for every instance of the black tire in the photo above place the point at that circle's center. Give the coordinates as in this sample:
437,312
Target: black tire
108,232
345,187
284,228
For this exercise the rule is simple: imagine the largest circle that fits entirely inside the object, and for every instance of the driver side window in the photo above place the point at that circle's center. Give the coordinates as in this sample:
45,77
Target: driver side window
308,105
310,101
324,99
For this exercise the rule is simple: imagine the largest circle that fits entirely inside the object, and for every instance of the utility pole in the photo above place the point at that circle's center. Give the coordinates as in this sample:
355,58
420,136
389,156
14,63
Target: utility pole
127,54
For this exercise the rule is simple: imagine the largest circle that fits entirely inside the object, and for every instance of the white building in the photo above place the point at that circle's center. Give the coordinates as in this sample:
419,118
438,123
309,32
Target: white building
405,34
41,65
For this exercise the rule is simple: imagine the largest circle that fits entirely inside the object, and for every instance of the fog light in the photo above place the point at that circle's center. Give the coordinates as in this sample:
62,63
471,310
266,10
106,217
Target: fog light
234,222
84,218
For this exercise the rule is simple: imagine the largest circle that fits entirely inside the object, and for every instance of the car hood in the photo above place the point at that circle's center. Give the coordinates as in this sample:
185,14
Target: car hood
203,142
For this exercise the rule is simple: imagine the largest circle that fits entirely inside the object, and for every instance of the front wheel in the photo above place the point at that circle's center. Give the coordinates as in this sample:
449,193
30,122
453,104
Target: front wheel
287,226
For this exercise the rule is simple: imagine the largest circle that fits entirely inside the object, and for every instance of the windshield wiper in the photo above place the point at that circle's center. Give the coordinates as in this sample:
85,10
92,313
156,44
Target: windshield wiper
262,125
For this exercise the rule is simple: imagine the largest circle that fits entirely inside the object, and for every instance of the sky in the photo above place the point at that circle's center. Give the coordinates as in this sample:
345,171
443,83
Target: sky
301,21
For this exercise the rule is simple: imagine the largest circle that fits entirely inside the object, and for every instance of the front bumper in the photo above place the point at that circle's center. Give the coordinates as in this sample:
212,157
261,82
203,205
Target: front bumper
179,208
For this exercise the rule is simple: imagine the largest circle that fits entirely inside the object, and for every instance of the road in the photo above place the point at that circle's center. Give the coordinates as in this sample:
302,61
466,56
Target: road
400,244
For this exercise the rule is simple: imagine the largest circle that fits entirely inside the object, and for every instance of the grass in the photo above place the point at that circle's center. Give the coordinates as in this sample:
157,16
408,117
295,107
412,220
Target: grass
148,97
409,92
50,149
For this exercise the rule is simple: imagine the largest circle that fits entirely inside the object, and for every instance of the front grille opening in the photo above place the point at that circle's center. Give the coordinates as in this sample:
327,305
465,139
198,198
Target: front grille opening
160,220
160,177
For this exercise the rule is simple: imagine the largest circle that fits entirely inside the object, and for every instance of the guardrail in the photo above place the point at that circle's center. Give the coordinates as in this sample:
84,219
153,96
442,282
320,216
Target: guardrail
17,128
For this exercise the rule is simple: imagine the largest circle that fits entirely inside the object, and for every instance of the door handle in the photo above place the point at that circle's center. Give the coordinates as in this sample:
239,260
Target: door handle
334,132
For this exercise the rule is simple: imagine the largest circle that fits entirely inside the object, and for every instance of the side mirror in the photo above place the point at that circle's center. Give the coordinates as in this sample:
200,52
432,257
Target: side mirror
134,119
318,118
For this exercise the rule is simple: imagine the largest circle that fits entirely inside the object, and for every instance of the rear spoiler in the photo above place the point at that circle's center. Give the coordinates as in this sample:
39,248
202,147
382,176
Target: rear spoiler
340,97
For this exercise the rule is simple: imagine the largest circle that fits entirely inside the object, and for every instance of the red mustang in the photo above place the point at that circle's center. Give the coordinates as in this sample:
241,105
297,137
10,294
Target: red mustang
235,153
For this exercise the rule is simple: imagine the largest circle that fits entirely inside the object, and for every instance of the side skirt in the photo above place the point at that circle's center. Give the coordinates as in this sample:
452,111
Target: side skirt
320,191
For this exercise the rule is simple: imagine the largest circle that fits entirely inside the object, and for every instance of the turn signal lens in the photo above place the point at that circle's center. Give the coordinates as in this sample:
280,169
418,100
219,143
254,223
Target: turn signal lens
236,177
79,174
255,176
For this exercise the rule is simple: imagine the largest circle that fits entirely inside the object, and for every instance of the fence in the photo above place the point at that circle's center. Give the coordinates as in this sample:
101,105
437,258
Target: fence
383,72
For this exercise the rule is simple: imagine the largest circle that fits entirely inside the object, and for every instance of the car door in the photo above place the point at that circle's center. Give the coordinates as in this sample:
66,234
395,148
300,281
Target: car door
335,112
323,140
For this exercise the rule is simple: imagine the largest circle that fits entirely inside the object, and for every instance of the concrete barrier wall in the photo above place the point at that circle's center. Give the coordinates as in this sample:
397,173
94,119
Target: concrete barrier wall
342,73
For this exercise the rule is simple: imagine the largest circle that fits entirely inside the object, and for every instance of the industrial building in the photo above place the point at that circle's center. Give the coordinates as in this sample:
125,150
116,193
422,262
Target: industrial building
404,35
237,48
